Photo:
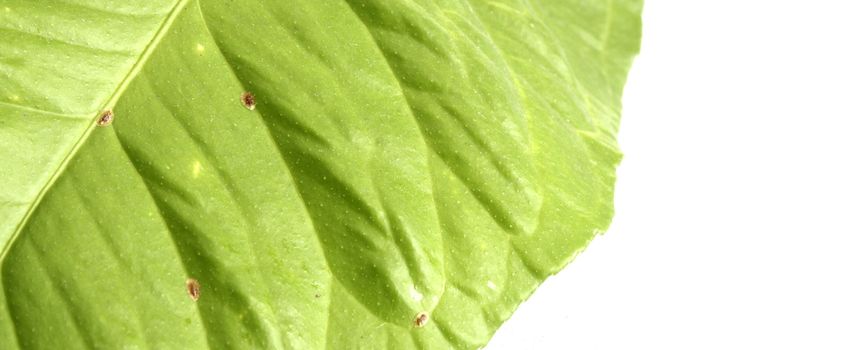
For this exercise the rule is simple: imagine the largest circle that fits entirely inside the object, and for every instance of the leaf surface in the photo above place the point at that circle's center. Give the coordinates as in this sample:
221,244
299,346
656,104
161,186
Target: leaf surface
401,157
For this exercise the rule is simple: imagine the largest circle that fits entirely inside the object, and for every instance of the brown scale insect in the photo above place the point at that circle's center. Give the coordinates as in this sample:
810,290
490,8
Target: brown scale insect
106,118
193,289
421,320
248,100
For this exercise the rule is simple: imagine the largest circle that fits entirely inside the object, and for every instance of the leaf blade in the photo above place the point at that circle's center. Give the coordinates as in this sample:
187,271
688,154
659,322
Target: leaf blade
338,209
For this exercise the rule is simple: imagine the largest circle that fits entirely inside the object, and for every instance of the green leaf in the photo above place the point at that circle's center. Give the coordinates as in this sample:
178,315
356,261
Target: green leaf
436,157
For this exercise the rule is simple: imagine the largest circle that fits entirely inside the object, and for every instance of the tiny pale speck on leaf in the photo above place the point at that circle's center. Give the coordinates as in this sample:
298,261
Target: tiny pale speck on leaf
248,100
421,320
193,289
197,168
200,48
106,118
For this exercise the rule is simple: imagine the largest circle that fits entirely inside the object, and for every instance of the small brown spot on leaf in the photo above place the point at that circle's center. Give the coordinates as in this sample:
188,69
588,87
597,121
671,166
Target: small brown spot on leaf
193,288
248,100
106,118
421,320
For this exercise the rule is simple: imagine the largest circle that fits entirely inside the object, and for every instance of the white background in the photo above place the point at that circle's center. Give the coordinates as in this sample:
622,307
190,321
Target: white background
735,223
